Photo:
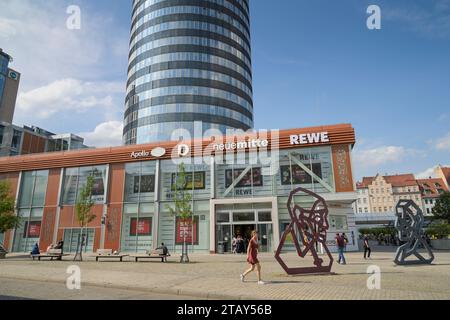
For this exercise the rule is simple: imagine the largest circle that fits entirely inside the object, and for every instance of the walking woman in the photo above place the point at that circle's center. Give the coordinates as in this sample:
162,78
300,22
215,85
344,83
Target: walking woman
252,258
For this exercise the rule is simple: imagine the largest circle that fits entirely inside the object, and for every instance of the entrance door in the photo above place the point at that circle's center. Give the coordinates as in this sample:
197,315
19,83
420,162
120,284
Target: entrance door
243,231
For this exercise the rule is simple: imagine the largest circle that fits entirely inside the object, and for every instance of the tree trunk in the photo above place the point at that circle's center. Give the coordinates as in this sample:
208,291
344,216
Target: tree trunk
79,251
184,252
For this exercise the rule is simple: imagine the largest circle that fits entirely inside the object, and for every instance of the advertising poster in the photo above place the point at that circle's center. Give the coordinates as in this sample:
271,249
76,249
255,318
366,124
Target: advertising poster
299,176
143,227
246,181
190,229
32,229
146,184
198,183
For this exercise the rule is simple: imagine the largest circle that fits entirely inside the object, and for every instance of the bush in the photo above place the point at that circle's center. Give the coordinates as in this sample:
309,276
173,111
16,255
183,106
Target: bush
439,229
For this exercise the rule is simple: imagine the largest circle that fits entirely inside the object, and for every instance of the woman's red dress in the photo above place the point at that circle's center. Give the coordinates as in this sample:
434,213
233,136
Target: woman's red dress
252,257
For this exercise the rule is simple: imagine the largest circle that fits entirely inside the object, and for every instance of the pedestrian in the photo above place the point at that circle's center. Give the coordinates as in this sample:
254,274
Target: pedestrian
234,245
252,258
366,247
345,241
340,243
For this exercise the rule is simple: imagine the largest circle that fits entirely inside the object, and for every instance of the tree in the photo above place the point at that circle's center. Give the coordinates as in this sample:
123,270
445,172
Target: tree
441,210
8,219
183,208
83,208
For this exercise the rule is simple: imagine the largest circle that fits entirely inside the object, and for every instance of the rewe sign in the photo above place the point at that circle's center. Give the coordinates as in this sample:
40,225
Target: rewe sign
309,138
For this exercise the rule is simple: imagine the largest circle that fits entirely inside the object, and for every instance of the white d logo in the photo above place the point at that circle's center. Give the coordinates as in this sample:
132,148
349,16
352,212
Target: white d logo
183,150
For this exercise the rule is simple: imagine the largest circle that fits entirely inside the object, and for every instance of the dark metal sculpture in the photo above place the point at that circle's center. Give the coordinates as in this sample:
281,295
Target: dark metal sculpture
409,225
311,226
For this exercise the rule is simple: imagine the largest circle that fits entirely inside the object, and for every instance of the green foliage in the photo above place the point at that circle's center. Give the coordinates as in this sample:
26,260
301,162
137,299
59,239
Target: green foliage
182,197
439,229
85,203
8,220
441,210
377,231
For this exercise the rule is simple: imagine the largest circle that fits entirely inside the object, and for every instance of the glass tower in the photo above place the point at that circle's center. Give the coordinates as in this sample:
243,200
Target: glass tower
189,60
4,61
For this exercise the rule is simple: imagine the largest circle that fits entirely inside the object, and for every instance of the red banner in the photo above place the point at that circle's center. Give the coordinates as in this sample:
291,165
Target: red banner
141,228
189,229
32,229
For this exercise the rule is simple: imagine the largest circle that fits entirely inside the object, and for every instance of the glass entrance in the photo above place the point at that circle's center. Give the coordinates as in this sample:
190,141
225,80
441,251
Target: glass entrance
238,225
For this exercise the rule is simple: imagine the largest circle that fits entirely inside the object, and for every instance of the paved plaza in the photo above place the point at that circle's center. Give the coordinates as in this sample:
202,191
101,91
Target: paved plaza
217,277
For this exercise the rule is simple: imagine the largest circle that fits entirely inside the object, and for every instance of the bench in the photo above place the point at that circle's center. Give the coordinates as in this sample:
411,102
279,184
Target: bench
52,254
108,254
155,254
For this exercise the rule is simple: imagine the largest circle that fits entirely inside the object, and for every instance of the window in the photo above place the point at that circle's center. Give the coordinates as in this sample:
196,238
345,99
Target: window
31,200
2,130
360,210
17,137
338,223
76,178
140,181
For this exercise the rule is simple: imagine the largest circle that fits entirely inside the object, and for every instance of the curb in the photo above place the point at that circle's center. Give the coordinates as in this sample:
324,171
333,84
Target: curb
167,291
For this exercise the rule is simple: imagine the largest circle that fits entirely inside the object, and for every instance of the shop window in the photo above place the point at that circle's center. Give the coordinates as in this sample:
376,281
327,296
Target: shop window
265,216
76,178
140,181
223,217
72,238
243,216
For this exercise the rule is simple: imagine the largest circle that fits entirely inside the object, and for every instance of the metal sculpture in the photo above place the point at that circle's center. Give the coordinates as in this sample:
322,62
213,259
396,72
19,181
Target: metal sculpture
409,225
310,225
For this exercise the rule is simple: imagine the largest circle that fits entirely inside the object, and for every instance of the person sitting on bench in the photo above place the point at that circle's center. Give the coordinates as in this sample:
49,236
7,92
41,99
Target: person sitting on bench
60,245
35,250
164,249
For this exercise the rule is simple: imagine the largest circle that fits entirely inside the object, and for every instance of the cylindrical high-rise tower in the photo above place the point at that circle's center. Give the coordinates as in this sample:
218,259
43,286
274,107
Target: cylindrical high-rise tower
190,60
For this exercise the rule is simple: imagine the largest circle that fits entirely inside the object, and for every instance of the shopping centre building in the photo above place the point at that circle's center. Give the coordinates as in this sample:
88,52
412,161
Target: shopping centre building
238,184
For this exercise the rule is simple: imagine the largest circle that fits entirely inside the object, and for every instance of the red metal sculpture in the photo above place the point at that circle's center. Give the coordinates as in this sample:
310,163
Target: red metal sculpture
312,225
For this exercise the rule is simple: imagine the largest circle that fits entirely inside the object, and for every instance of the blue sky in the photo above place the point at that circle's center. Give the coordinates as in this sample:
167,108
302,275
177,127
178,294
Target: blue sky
315,63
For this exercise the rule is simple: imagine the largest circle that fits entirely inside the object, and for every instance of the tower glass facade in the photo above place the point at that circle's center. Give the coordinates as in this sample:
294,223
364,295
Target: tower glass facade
4,61
190,60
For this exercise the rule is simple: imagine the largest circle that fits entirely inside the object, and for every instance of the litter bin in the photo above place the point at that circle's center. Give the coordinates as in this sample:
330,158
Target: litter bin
221,248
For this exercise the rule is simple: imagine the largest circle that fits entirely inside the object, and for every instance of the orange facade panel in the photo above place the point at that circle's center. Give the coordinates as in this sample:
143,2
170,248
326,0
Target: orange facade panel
338,134
343,175
113,226
117,183
54,177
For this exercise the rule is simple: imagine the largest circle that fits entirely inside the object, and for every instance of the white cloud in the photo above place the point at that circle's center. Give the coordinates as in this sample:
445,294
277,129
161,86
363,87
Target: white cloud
443,144
430,172
107,134
71,79
375,157
69,95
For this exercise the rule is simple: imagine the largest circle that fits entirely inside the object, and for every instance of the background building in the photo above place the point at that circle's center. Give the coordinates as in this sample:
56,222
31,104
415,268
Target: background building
444,174
9,86
380,194
431,189
16,140
189,61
